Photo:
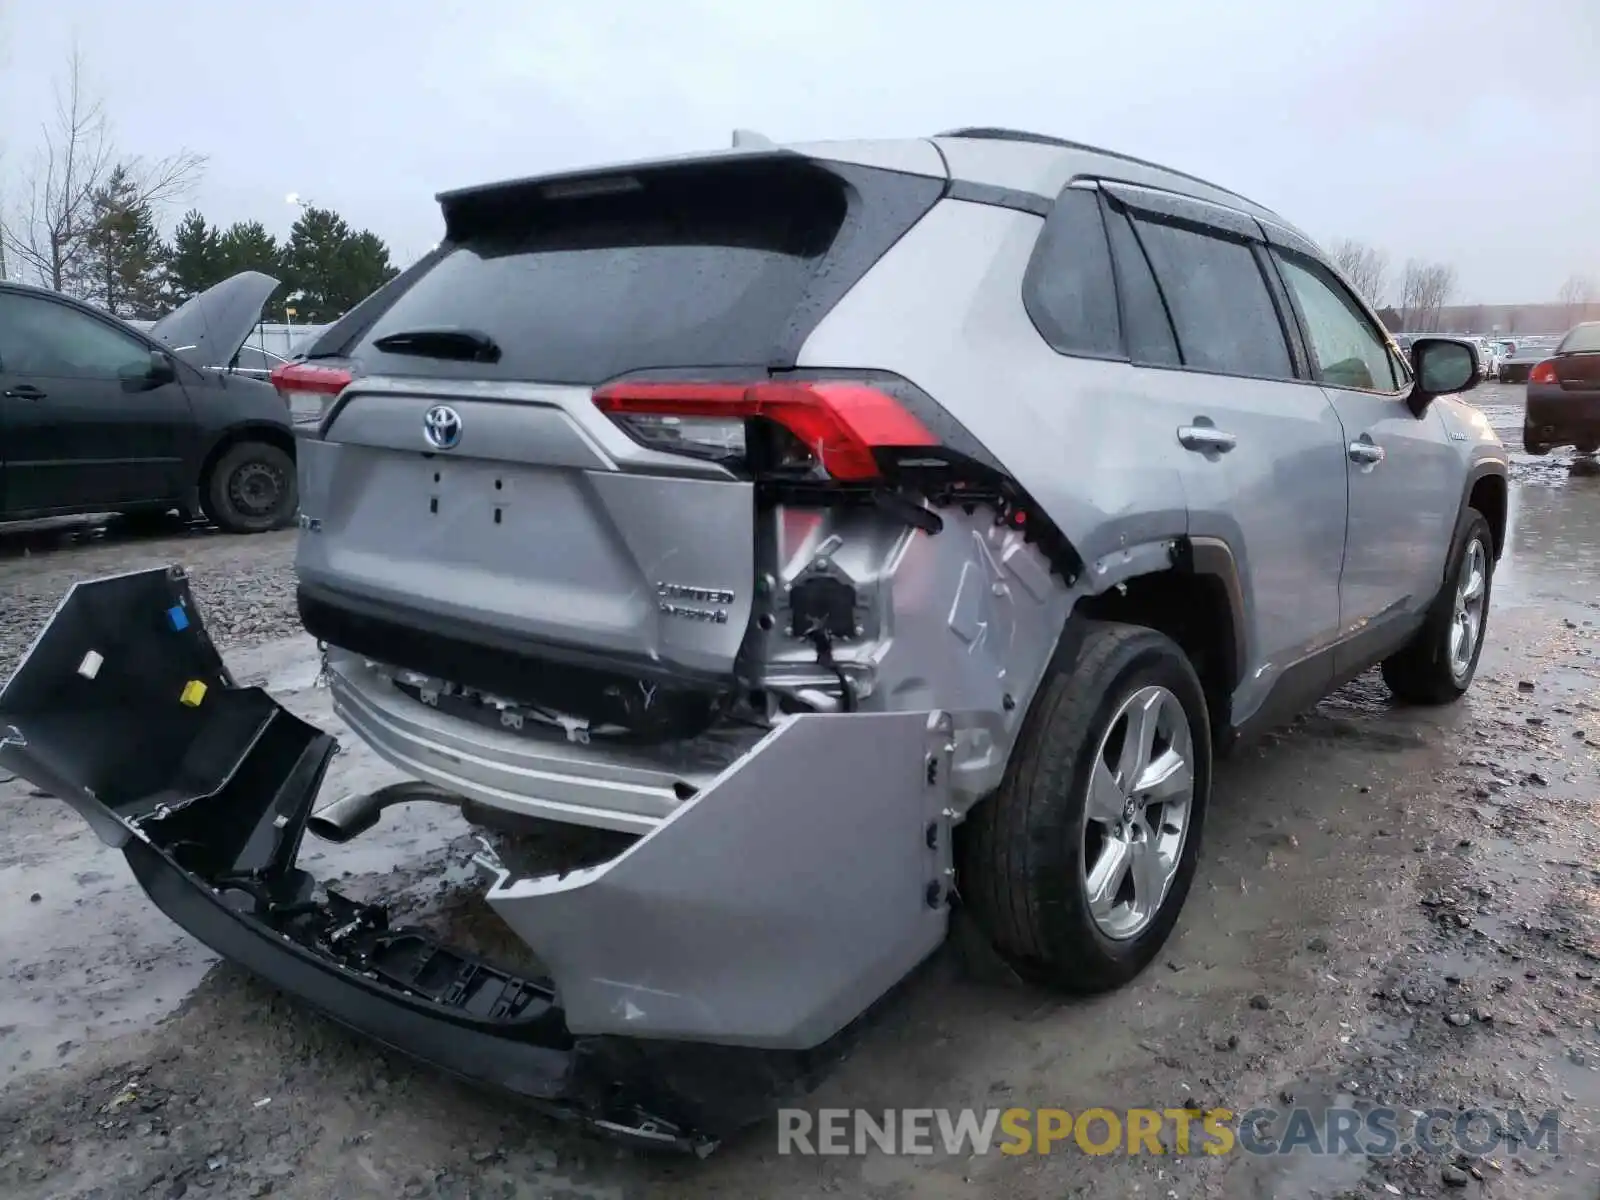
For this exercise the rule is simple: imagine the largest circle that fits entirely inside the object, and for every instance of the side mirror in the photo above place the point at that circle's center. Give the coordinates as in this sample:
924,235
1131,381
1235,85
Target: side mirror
156,371
162,368
1442,365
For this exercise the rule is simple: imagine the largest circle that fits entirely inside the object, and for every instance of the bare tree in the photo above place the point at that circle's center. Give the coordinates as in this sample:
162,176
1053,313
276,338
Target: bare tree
1575,296
55,221
3,275
1366,267
1425,289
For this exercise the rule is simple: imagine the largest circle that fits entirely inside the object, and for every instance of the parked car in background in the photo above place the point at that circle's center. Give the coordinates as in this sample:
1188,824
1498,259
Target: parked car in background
1488,358
1525,353
98,416
1563,407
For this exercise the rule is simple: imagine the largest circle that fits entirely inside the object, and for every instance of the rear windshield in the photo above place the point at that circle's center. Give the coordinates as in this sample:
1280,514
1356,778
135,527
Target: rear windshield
671,269
1581,339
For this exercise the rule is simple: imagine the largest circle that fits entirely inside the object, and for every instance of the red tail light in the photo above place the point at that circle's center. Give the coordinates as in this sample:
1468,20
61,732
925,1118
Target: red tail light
839,423
315,386
1544,372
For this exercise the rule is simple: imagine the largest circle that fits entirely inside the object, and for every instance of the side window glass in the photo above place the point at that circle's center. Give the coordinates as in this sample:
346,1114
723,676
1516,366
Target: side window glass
42,337
1145,324
1346,349
1220,304
1402,368
1068,289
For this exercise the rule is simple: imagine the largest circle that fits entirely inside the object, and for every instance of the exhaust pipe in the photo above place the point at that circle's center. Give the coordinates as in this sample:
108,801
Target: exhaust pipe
350,816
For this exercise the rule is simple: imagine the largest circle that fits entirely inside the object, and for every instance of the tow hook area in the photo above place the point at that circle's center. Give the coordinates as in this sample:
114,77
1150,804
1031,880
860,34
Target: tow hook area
707,974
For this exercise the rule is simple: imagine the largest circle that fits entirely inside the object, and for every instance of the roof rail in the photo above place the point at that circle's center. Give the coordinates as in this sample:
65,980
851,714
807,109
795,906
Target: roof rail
997,134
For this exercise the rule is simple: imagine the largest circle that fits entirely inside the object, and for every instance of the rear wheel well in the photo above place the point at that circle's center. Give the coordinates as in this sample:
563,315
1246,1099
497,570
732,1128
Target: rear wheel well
1488,496
1192,609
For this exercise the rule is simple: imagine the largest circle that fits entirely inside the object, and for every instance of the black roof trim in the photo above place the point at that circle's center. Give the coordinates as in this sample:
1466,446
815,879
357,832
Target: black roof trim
996,134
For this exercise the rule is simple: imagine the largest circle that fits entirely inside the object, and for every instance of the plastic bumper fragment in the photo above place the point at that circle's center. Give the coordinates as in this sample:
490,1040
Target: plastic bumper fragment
123,709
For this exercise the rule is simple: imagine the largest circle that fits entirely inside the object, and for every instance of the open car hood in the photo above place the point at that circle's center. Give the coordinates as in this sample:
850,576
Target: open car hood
208,329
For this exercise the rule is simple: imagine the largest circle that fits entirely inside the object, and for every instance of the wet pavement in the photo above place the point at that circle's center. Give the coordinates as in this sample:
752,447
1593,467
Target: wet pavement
1394,907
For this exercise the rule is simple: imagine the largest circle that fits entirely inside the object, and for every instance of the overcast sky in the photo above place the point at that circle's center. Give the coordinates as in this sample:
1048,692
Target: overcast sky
1461,130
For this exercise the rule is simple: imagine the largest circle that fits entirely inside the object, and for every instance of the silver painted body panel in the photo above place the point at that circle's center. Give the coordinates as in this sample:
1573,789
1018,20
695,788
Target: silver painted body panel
449,533
1278,500
759,913
1402,509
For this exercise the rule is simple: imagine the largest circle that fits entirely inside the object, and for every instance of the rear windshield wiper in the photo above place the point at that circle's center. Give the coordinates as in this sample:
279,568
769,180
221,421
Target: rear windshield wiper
469,345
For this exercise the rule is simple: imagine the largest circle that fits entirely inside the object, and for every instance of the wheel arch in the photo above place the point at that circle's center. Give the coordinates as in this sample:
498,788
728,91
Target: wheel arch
1488,490
1196,599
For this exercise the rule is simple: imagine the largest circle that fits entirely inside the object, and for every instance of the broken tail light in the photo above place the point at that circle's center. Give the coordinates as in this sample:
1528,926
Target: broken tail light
309,387
839,424
1544,372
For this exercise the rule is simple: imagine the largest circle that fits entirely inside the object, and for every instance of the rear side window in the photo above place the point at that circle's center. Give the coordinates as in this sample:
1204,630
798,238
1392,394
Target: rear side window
1221,308
707,265
1068,289
1145,323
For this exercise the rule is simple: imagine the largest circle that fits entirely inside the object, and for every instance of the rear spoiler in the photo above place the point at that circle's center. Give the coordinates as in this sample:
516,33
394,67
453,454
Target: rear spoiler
467,208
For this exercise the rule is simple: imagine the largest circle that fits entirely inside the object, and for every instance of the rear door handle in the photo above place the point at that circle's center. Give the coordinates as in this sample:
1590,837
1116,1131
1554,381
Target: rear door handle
24,391
1366,452
1205,438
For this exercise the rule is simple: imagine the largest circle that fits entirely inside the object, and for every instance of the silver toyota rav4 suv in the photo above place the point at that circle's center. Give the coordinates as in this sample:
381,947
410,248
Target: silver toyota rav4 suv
839,532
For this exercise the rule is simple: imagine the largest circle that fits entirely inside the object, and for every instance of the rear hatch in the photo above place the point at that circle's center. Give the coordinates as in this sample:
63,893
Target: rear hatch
477,509
1577,359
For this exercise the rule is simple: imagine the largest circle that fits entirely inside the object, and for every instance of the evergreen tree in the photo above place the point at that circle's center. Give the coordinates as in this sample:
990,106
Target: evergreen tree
367,267
247,246
331,266
124,265
195,261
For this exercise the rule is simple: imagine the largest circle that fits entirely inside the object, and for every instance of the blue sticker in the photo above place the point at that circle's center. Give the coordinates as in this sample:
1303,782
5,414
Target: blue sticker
179,618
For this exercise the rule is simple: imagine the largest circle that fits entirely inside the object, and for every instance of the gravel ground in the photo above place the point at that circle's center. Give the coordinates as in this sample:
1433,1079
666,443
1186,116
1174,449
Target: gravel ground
245,585
1393,907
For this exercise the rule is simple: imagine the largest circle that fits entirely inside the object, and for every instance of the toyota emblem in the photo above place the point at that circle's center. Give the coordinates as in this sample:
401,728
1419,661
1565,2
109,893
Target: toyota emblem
442,426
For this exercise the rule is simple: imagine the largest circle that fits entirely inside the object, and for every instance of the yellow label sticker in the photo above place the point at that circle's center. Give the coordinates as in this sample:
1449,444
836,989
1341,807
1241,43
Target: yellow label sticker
193,692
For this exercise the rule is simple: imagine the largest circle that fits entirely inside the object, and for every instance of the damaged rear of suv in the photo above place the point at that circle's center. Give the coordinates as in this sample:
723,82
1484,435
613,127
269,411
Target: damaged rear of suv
831,533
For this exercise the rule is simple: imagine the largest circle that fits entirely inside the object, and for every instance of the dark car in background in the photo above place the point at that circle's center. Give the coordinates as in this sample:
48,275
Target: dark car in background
1523,355
1563,407
98,416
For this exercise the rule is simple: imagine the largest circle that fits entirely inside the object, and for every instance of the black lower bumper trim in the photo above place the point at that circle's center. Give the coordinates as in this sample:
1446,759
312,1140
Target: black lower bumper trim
536,1071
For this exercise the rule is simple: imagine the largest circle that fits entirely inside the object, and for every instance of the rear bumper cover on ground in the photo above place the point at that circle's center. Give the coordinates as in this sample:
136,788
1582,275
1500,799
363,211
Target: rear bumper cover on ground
695,980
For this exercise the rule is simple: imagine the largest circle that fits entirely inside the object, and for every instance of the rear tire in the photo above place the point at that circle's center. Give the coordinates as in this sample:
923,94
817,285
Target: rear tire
251,488
1031,854
1434,667
1537,449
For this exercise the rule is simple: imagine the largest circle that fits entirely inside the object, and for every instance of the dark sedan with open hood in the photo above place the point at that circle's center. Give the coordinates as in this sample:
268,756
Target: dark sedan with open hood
97,416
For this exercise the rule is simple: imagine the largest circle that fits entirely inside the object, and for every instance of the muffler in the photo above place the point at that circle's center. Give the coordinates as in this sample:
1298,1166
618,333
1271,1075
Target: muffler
352,815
